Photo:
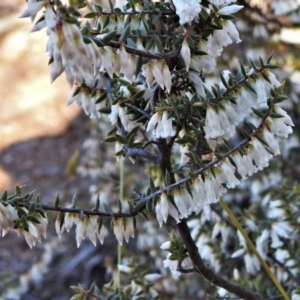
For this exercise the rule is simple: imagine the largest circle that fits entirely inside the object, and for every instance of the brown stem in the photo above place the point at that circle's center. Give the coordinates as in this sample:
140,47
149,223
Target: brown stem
207,272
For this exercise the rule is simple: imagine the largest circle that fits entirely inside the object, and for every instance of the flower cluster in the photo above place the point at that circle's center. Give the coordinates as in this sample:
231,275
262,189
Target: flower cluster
221,120
208,187
32,225
90,226
173,263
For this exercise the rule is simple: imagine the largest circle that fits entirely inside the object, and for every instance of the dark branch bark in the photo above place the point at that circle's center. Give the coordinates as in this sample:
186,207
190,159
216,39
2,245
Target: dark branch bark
208,273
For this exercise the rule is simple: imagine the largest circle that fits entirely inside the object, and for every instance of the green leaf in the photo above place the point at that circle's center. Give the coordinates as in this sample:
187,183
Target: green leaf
37,199
149,206
139,66
258,113
139,206
31,208
120,139
74,201
62,220
167,178
120,205
111,139
158,44
105,110
111,5
109,36
276,115
90,15
270,57
101,98
72,164
56,203
98,42
98,202
253,64
223,81
265,77
4,196
269,66
105,207
152,185
243,70
125,34
19,190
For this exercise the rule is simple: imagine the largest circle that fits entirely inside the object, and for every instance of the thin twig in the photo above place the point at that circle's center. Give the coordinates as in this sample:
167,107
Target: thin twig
208,273
142,112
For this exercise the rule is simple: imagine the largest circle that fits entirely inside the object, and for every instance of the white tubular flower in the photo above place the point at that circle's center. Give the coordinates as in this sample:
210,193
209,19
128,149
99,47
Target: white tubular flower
125,269
31,240
210,190
164,127
183,157
229,10
127,62
152,277
259,154
222,38
129,232
270,139
280,229
8,215
172,265
248,162
167,77
153,121
118,111
198,83
50,17
262,243
32,10
207,251
187,10
228,174
286,118
107,60
221,2
212,126
279,127
120,4
230,28
56,68
148,73
259,87
199,194
274,82
69,220
185,52
166,245
74,38
117,63
42,226
59,229
239,162
204,63
162,209
252,263
102,233
157,72
182,206
119,229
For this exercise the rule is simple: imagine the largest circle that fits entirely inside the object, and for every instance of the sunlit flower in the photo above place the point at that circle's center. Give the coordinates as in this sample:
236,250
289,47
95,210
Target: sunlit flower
187,10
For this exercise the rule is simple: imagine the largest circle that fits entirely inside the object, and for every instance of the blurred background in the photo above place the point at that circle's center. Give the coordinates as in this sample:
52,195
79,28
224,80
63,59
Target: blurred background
39,135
